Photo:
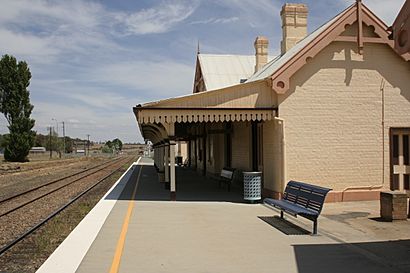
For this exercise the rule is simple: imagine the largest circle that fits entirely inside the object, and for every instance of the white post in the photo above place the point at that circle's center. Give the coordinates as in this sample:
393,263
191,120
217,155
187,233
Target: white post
167,163
172,167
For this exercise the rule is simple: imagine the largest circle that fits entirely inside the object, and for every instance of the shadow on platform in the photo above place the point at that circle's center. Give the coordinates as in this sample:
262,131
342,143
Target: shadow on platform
190,186
375,257
284,225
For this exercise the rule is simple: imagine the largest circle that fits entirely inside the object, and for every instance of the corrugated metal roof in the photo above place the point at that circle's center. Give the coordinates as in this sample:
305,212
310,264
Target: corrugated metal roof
221,71
276,63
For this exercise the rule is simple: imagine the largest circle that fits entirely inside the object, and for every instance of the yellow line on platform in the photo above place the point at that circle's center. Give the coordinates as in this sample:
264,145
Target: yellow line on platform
115,265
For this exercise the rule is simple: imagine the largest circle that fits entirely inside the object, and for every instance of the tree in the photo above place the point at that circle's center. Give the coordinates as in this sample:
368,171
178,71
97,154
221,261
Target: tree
68,145
109,144
15,105
112,146
2,142
117,144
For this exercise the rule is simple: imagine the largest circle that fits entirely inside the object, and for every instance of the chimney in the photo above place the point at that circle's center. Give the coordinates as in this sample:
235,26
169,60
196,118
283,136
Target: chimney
261,52
294,25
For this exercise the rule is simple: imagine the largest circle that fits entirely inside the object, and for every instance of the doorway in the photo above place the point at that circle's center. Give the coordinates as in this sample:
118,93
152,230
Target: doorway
400,159
257,146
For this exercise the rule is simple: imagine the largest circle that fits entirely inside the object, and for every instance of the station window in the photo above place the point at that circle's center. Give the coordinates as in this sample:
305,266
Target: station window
395,150
406,149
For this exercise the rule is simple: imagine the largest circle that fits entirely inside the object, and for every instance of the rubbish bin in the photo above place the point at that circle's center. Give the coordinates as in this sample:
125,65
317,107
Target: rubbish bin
252,183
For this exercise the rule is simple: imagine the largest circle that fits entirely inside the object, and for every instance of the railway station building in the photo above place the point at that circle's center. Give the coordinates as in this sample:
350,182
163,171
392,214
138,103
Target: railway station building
333,109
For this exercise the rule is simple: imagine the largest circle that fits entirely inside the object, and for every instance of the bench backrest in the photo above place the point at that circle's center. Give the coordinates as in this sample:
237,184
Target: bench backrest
306,195
227,173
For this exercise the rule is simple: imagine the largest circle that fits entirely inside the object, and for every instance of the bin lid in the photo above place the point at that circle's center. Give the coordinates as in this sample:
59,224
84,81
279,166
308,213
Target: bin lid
250,173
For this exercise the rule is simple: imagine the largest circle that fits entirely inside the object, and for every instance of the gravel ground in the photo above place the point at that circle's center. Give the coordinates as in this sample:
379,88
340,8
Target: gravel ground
15,202
29,254
17,222
20,167
11,184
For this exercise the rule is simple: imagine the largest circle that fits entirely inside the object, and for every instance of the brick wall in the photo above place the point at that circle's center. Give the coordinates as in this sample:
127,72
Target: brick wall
333,115
272,156
241,150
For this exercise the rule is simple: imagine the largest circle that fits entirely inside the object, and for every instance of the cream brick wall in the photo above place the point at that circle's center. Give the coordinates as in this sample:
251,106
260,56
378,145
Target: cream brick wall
333,115
182,150
272,156
219,153
215,142
241,150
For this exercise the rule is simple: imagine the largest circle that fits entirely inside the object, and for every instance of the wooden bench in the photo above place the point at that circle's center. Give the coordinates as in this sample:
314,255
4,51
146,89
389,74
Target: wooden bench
301,199
226,177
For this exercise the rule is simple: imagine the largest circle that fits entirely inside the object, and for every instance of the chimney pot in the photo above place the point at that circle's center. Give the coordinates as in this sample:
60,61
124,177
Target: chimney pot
294,25
261,52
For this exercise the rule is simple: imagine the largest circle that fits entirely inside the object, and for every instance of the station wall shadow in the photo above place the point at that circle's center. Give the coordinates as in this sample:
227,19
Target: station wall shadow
375,257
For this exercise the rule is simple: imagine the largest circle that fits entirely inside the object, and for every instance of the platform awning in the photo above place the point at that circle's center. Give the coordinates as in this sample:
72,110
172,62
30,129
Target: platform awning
147,115
240,103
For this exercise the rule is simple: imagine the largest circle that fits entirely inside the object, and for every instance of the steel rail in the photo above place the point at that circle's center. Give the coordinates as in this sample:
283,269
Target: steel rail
55,181
54,190
52,215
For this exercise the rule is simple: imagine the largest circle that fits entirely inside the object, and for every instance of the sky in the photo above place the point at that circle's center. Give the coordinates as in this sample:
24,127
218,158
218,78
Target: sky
93,60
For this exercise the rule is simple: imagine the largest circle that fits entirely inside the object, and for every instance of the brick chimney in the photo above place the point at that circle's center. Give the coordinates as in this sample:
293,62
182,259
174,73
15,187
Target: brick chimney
294,25
261,52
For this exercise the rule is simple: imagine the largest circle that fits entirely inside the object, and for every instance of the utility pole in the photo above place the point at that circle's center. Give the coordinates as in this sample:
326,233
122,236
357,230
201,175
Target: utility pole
63,139
49,144
57,142
88,145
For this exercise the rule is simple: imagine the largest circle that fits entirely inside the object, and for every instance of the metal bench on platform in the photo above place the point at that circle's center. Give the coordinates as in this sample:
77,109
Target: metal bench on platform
226,177
301,199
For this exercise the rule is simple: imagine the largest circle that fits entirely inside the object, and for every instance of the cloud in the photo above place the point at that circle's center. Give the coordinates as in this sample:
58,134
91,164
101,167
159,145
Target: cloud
26,44
156,79
82,120
158,19
254,12
215,21
39,28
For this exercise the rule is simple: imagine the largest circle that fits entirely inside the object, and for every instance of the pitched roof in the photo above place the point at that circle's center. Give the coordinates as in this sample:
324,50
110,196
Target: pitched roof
221,71
280,60
280,71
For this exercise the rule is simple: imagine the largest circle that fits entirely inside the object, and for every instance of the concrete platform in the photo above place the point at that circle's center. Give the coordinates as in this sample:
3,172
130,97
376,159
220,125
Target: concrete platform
134,228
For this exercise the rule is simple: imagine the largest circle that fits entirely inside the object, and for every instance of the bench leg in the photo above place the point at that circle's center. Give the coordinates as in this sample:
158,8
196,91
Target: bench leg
281,214
315,227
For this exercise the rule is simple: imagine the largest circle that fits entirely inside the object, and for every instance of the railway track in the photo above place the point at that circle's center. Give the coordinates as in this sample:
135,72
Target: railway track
13,197
12,212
